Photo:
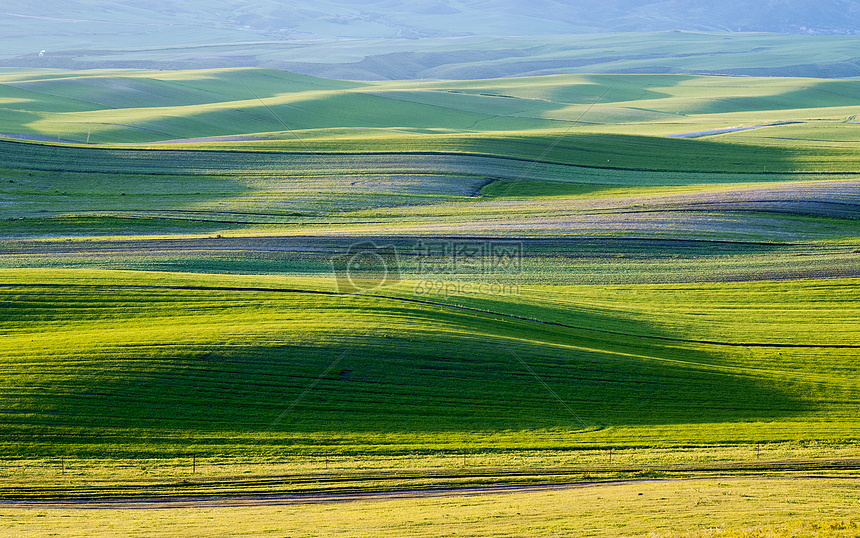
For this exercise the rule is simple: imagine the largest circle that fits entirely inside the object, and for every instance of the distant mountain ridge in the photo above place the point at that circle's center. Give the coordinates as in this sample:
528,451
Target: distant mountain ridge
440,18
399,39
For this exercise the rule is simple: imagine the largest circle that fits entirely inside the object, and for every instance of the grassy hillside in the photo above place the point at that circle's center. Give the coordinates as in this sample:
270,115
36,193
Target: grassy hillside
317,285
155,365
551,119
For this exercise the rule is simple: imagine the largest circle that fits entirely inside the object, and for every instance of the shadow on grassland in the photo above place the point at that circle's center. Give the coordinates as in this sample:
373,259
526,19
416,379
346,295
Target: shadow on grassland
487,154
819,94
507,375
199,86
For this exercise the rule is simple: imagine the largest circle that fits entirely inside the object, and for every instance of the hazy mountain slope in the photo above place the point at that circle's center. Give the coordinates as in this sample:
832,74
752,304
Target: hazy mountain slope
490,57
87,23
534,17
396,39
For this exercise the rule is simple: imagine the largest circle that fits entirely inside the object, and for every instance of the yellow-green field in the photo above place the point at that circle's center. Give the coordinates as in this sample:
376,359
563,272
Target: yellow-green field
728,507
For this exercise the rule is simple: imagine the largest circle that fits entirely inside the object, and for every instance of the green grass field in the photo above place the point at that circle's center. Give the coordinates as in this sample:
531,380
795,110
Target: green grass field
670,366
565,283
135,106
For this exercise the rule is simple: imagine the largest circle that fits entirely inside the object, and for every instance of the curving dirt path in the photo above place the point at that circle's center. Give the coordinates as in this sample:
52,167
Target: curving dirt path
37,138
723,130
282,499
208,139
250,501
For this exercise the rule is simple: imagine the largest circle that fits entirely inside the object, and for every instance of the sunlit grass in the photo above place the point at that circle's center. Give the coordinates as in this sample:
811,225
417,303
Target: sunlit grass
728,507
129,106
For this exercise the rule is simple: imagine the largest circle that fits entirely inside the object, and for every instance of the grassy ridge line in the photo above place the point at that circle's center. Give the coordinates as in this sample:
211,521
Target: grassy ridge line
125,106
432,303
451,116
401,190
610,152
594,150
644,104
547,261
560,303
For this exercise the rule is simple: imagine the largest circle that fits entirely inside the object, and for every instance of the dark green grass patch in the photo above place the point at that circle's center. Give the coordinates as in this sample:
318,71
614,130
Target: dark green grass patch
88,226
541,189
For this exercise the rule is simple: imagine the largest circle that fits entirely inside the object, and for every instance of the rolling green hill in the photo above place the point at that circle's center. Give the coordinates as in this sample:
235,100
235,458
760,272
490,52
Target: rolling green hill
157,365
129,106
268,270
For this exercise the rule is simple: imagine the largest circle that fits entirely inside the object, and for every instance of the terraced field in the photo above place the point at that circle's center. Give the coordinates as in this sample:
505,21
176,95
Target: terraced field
393,277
